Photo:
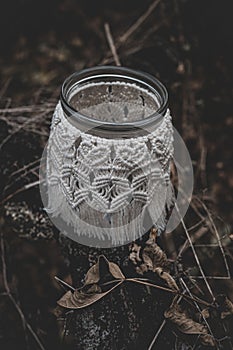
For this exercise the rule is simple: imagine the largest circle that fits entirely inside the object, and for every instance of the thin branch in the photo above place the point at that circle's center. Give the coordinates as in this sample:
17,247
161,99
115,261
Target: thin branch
217,236
194,237
131,49
24,188
173,291
5,87
4,274
111,44
157,334
21,177
195,254
196,225
211,277
203,156
198,308
28,109
20,127
164,323
25,167
124,37
64,284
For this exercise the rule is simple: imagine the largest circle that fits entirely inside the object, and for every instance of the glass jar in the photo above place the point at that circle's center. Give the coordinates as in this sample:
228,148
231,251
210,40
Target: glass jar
108,156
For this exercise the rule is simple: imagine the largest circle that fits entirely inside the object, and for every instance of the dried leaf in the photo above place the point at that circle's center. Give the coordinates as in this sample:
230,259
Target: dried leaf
152,255
204,314
167,278
231,236
225,305
79,299
186,325
134,253
115,271
58,311
92,290
100,269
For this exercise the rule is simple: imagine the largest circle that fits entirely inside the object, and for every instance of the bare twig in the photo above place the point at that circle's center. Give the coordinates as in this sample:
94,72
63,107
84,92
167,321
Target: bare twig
5,87
217,236
157,334
203,155
29,121
124,37
21,176
49,107
131,48
163,323
25,167
130,31
173,291
111,44
64,284
196,225
24,188
198,308
195,254
195,237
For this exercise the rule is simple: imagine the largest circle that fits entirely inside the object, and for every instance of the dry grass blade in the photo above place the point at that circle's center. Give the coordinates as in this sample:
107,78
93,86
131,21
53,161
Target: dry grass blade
199,233
64,284
173,291
157,334
195,255
217,236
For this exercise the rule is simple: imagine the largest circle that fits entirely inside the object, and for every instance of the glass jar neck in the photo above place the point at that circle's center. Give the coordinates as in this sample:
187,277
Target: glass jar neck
114,102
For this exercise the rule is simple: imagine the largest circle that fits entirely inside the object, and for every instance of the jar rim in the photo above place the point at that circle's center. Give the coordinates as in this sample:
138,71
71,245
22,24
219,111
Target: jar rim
148,80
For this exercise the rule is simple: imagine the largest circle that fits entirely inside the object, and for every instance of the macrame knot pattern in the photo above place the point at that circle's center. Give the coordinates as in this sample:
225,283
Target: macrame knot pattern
105,188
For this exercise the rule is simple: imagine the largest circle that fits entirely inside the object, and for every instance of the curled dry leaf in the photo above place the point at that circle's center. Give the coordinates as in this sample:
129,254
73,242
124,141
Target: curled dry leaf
204,314
167,278
152,256
186,325
225,305
134,253
102,268
102,272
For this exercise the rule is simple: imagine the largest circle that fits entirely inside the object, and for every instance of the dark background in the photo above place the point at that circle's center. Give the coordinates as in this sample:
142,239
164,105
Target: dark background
187,44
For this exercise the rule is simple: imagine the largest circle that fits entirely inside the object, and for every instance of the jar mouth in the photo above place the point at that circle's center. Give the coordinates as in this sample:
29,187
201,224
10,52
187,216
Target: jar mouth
113,98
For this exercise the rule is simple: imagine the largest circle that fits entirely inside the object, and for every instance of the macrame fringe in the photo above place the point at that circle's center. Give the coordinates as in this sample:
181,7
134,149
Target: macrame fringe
78,225
77,222
123,180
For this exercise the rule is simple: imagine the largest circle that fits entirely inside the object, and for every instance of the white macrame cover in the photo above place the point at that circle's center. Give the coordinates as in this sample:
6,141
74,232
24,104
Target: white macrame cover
102,187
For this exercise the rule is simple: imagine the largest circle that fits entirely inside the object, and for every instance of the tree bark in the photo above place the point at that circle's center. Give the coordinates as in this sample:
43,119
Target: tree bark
127,318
